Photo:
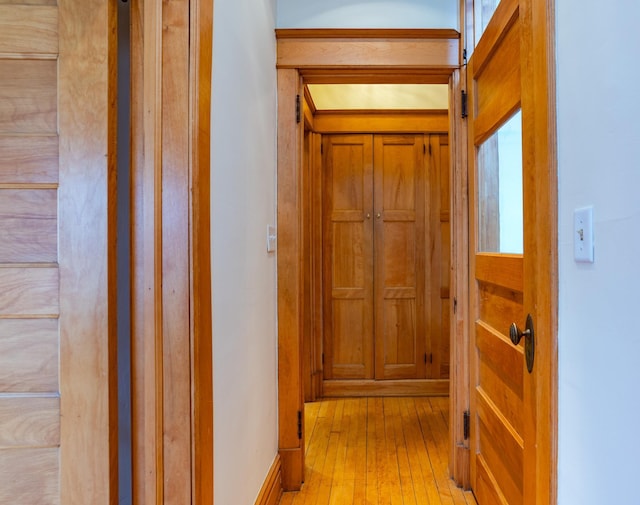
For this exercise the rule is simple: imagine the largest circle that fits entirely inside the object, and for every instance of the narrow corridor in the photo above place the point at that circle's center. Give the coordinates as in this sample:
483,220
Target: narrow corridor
378,451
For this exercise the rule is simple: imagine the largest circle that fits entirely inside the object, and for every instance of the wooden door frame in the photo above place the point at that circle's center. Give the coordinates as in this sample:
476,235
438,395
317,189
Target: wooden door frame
172,385
356,56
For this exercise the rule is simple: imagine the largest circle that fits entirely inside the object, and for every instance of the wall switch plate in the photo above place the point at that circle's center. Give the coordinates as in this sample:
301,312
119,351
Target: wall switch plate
271,238
583,235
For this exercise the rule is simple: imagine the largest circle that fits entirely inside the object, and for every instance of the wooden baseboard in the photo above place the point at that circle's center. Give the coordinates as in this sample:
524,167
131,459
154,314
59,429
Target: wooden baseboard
271,491
414,387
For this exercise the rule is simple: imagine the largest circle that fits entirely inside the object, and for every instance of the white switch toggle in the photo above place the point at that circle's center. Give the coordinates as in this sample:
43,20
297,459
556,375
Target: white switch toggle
271,238
583,235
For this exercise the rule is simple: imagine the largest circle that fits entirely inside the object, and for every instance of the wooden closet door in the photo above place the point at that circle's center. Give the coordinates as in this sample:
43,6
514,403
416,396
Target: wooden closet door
400,256
348,257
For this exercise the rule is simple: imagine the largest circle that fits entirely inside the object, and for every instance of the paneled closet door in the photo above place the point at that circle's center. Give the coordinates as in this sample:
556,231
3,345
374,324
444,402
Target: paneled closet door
348,257
375,257
400,256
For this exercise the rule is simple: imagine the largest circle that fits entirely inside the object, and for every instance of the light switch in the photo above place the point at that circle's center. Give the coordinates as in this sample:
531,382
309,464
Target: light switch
271,238
583,235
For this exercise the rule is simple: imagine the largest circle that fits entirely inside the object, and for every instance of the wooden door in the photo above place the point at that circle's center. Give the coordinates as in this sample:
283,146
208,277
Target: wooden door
400,256
375,257
512,260
57,366
348,257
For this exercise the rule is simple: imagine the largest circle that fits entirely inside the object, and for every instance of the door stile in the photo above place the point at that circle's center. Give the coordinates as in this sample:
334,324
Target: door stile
541,245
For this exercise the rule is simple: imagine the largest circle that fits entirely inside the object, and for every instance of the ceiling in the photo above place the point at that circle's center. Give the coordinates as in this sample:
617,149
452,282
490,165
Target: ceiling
380,96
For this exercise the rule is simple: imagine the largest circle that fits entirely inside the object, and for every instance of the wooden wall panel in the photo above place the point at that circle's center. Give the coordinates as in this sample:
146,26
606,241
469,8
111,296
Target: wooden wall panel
29,421
29,476
28,355
28,159
28,96
29,232
28,29
29,291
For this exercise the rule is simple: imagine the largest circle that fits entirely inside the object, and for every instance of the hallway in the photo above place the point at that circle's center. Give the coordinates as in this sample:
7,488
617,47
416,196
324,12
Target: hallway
377,451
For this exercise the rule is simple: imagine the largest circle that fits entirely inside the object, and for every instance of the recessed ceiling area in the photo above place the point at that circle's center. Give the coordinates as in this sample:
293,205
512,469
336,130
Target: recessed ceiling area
380,96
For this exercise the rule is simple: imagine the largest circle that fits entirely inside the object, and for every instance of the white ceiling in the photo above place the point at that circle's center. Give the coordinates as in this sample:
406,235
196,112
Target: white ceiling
379,96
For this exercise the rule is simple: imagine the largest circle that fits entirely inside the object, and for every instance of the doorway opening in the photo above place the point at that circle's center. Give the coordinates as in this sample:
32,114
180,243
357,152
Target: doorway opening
423,57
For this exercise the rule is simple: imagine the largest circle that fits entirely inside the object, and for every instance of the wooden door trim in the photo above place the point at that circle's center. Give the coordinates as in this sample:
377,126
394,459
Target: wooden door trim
380,121
334,48
365,68
172,389
86,214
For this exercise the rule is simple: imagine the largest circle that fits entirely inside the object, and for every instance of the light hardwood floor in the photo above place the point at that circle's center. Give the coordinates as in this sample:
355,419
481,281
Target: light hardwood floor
377,451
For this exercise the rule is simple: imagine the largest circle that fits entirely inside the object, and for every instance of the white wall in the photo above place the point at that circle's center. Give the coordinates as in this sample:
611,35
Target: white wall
244,274
368,14
599,165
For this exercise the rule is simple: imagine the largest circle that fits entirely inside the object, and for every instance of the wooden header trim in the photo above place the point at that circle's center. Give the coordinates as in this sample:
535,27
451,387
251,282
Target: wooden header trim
353,49
375,121
365,33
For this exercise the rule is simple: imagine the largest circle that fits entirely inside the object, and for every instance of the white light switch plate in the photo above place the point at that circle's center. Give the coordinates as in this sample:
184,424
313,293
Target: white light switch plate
271,238
583,235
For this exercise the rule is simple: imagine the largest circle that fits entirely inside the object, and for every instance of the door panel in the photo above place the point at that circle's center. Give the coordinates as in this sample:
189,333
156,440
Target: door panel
399,206
348,262
440,239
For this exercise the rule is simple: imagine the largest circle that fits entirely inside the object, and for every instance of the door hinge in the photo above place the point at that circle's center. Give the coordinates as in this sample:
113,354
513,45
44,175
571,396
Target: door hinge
466,424
464,56
428,358
297,108
464,104
299,425
455,305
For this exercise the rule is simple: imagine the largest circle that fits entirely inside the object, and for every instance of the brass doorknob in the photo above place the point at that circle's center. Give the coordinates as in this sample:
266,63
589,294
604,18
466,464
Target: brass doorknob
516,334
378,215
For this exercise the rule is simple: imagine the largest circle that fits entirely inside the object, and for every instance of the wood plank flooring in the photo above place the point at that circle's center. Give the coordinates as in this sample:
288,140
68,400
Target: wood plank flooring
377,451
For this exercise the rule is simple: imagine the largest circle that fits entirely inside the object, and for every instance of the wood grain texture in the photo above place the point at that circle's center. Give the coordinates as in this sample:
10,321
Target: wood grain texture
374,51
29,232
28,159
28,355
201,41
28,99
380,122
29,421
146,361
28,2
390,387
348,257
290,386
88,372
174,277
399,241
378,451
541,244
30,476
459,314
29,291
28,30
